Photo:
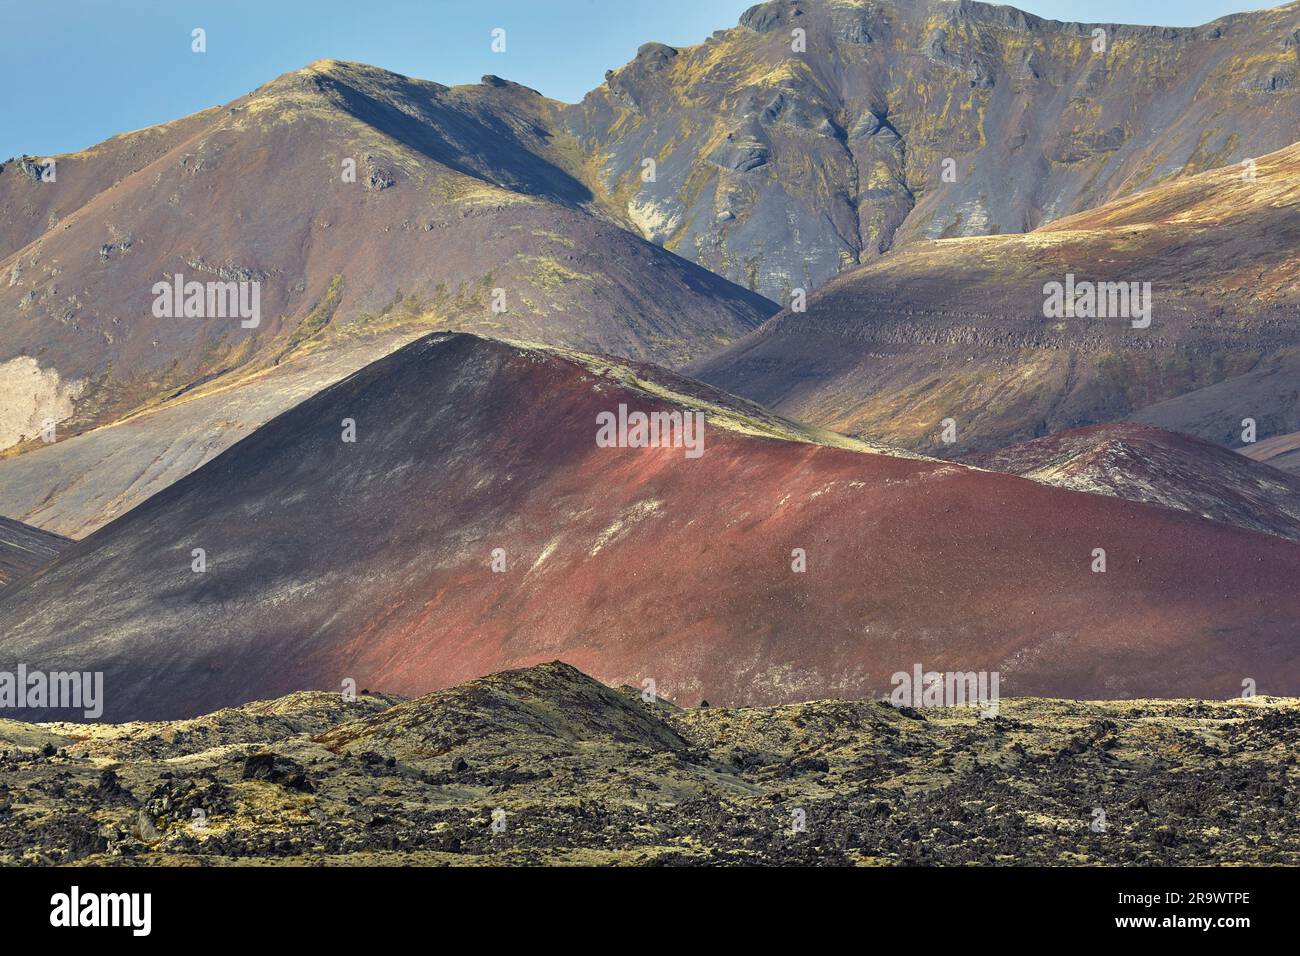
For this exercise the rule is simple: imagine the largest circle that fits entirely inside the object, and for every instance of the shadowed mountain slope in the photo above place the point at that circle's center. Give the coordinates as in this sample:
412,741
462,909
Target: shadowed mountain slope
24,549
1269,394
79,484
328,560
956,328
1147,464
778,167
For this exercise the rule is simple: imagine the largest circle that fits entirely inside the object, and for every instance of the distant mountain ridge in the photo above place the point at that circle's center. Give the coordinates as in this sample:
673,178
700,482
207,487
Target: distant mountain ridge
957,329
779,169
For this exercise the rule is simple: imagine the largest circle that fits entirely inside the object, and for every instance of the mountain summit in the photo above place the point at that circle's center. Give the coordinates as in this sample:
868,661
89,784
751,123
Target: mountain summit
358,202
817,134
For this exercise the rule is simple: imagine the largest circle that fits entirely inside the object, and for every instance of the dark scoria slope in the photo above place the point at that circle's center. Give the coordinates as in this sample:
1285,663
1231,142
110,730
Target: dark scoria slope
372,560
24,549
457,192
778,169
955,328
1147,464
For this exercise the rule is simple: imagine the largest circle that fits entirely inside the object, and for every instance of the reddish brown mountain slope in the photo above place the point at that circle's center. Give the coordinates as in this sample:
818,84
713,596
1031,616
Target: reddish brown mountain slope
1147,464
372,561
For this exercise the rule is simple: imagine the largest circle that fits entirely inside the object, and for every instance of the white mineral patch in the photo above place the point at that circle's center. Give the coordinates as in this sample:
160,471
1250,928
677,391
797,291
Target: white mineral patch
655,222
29,396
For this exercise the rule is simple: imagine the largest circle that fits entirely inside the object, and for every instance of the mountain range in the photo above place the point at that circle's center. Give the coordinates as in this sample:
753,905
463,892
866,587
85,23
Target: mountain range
773,168
780,169
456,191
832,231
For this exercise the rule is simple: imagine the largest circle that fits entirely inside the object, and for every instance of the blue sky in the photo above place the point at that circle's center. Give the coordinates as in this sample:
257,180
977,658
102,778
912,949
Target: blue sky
77,71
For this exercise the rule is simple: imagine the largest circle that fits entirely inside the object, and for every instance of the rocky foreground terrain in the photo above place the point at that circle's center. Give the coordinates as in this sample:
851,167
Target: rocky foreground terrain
547,766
